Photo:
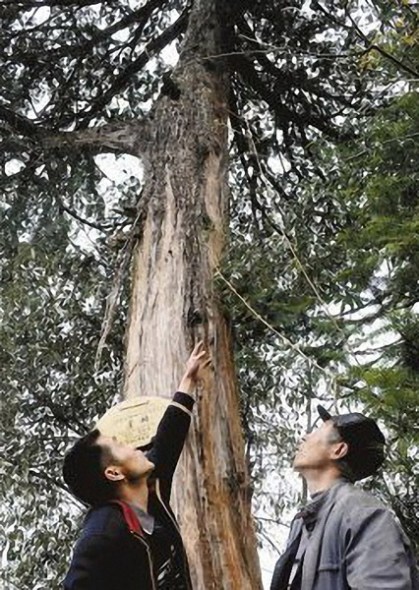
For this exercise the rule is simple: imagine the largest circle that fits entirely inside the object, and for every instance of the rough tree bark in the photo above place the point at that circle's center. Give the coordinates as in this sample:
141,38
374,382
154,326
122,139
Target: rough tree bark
182,222
184,207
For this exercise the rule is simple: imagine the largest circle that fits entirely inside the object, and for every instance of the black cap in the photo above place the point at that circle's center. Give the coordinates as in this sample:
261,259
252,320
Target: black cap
364,439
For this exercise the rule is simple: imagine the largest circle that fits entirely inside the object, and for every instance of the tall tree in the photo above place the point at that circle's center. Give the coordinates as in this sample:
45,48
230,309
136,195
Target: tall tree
84,77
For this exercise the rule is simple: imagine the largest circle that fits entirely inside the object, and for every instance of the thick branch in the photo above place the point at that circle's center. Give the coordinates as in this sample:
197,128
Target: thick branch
130,137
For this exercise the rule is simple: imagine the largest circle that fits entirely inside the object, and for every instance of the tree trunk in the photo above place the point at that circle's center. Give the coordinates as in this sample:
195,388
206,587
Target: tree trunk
184,221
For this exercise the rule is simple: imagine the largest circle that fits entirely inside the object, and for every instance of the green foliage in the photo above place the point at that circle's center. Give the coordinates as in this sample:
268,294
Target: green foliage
51,302
340,262
323,236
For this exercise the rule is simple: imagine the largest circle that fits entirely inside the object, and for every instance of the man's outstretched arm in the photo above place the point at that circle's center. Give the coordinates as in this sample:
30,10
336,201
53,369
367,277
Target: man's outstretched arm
173,428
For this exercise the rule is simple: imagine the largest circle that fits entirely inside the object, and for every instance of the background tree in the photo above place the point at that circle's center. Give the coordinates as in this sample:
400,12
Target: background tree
345,297
80,78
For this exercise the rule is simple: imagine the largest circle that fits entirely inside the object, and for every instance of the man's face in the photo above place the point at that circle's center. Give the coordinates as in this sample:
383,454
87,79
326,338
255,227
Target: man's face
319,449
129,462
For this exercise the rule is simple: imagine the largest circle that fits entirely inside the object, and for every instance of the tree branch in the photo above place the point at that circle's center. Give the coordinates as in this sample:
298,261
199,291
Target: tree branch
250,76
129,137
139,17
22,125
361,35
39,3
124,78
381,51
82,220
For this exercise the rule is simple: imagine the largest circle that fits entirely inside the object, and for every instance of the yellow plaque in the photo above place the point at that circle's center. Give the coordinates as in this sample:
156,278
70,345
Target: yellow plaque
134,422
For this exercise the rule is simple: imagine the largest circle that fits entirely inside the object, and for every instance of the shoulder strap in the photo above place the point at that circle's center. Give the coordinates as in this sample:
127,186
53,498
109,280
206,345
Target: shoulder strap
131,519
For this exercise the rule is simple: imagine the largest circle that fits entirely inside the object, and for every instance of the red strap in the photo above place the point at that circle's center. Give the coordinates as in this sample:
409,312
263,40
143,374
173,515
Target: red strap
130,517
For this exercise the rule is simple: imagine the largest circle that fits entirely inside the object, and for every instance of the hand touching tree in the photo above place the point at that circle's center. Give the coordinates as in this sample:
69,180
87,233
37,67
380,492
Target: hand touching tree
198,360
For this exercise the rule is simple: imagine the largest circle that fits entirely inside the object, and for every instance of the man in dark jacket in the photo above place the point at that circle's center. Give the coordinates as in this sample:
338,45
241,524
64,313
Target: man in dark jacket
344,539
130,539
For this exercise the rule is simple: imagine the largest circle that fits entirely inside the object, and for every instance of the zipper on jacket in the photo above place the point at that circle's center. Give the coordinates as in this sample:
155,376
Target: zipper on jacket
164,506
185,564
150,559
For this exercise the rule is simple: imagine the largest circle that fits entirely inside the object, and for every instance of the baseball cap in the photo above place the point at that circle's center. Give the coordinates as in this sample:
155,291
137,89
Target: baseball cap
364,439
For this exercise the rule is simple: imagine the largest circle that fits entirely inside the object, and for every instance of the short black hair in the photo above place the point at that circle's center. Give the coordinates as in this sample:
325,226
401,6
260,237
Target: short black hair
364,439
83,471
357,463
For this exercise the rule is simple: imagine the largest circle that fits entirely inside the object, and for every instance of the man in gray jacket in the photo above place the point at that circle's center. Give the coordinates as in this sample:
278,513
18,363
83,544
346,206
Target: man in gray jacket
345,538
